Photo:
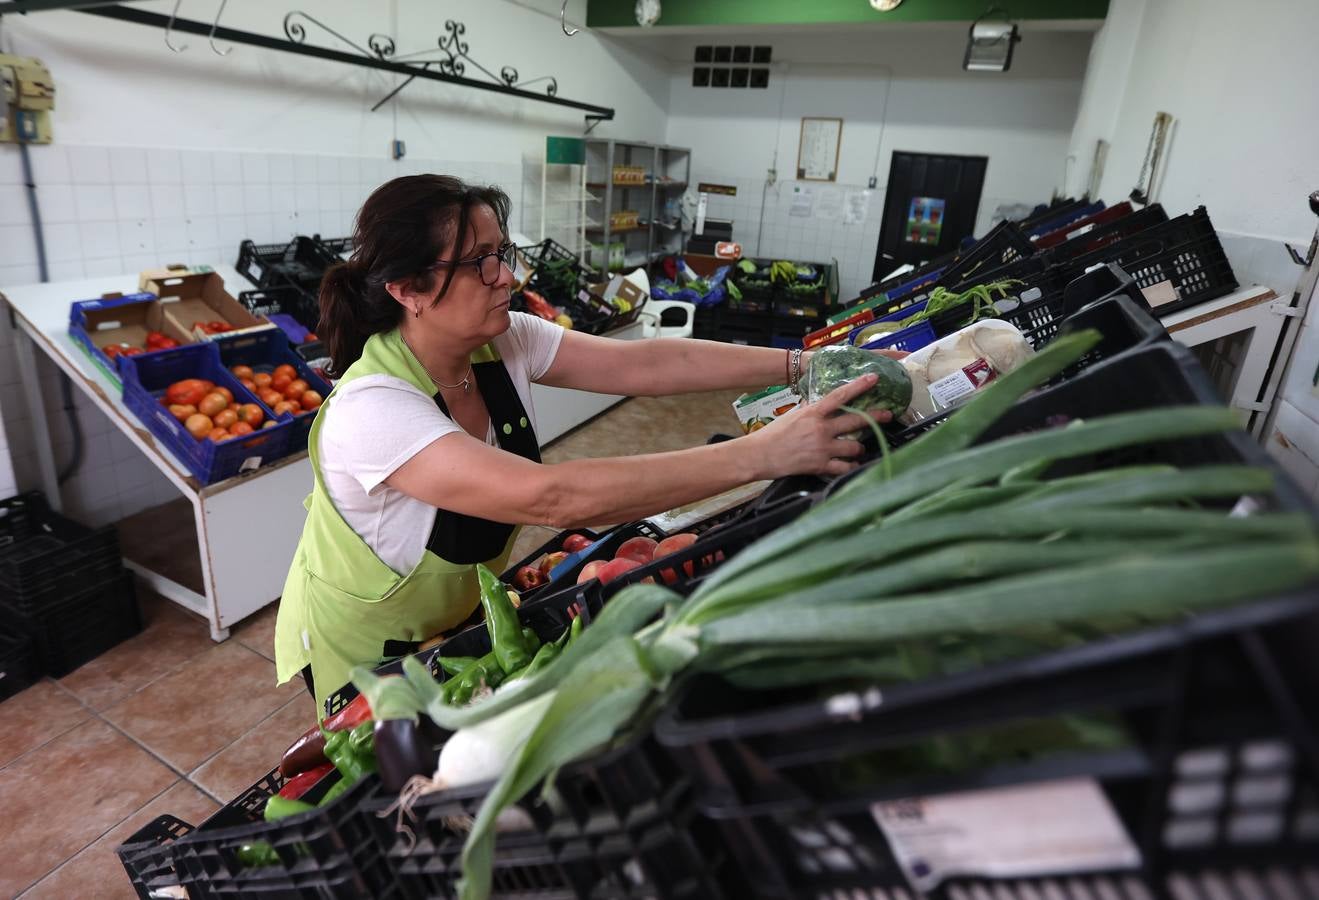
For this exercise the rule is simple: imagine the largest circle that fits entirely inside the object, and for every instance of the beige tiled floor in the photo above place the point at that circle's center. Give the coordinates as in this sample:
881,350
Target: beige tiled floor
169,722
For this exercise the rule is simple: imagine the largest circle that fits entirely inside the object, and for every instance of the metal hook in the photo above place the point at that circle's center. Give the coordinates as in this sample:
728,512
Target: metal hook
214,25
563,22
169,29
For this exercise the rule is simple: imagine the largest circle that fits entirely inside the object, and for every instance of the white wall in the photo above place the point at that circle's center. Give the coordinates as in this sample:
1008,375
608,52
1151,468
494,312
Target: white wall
1021,120
164,157
1238,79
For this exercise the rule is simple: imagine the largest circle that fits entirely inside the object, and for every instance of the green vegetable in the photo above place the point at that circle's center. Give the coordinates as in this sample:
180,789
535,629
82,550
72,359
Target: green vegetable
278,807
335,791
454,665
256,855
734,292
352,752
747,266
511,648
486,671
832,367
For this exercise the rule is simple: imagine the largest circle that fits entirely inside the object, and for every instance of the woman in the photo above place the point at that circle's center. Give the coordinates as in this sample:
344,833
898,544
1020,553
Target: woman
425,454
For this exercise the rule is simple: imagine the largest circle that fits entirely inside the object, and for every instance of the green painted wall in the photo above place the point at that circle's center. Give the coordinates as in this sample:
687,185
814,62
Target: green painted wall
621,13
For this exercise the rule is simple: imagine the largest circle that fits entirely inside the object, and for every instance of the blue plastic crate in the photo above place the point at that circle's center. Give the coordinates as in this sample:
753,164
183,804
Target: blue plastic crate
81,335
911,338
147,376
263,351
911,287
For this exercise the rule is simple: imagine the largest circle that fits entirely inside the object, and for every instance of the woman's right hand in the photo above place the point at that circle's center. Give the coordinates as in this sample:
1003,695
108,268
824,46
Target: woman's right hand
806,440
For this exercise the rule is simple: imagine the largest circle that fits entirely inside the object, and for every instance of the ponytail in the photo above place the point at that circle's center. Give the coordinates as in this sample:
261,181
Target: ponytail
401,231
351,311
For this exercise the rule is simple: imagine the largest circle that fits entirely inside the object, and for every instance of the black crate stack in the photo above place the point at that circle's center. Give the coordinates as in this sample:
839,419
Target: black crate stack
65,596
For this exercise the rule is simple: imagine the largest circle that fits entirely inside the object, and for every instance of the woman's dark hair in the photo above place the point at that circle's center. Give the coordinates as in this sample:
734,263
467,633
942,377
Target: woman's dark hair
401,230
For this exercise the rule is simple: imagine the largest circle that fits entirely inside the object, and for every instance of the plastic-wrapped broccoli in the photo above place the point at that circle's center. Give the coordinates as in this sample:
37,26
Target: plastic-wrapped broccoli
831,367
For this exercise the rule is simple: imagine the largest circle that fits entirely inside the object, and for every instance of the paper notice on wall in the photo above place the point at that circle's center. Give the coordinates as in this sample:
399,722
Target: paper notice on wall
803,201
855,207
829,204
1036,829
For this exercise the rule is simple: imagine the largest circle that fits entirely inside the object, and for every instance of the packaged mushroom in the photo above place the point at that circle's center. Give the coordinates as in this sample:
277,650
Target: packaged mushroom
946,373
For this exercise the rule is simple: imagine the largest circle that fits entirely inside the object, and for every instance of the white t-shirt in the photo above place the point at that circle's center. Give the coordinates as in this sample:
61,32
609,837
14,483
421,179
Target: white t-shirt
378,422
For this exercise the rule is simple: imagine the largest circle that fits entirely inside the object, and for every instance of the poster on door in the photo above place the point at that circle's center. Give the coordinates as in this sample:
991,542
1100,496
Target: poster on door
925,218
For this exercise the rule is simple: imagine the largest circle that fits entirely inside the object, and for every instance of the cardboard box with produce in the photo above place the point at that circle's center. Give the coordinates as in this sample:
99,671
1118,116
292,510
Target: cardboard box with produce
197,303
756,410
116,325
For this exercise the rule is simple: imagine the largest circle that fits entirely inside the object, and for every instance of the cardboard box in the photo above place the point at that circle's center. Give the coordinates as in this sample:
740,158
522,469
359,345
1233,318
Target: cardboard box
118,319
756,410
190,296
619,288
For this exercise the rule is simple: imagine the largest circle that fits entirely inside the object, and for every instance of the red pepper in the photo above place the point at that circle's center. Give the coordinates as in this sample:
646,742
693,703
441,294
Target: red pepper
298,785
348,718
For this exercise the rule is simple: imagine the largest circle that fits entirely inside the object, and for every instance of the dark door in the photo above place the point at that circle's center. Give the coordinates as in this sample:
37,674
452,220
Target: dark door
930,205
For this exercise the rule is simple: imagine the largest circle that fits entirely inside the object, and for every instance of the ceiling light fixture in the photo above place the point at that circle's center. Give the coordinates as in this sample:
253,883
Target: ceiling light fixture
989,43
648,12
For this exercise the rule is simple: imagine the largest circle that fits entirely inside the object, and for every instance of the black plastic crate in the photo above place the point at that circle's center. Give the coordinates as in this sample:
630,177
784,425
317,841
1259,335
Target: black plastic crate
1004,244
553,545
40,549
605,547
18,661
791,775
147,857
295,303
1109,233
328,853
1051,211
332,249
1184,252
299,263
81,620
621,825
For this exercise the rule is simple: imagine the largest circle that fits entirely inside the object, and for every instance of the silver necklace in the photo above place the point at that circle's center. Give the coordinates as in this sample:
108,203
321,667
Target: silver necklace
465,383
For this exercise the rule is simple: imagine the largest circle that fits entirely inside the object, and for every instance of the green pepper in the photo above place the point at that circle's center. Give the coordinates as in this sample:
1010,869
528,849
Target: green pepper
454,665
486,671
278,807
501,620
352,752
575,631
333,793
259,854
544,656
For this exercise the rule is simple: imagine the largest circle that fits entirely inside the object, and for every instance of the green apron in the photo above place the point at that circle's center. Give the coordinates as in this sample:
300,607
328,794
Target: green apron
341,605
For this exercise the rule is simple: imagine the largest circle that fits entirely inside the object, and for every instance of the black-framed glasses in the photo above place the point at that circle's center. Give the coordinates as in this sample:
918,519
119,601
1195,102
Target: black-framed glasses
487,264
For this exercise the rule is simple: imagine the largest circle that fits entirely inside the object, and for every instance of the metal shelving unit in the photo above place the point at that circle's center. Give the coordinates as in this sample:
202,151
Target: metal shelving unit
668,171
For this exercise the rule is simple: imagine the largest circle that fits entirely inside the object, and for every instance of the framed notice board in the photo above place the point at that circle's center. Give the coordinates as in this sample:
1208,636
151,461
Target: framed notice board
817,153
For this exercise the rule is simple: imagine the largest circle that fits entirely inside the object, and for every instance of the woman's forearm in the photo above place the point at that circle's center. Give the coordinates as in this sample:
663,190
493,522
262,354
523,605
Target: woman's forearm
683,366
620,489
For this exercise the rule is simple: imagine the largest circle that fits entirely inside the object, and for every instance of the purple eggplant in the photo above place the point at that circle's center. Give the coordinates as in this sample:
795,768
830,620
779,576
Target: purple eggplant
402,750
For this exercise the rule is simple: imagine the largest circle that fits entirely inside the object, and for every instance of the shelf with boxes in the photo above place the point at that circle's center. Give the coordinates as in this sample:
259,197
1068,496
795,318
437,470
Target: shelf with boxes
638,209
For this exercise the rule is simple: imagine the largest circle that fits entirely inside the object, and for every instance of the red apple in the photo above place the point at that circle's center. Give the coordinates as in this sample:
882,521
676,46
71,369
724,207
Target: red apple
616,567
549,561
528,577
591,570
641,549
575,542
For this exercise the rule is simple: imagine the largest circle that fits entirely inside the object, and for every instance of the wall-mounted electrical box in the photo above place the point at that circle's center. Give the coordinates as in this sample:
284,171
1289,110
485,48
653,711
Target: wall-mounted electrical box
27,95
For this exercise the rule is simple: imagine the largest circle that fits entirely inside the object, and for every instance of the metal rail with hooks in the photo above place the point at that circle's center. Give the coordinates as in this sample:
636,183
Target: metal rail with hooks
449,69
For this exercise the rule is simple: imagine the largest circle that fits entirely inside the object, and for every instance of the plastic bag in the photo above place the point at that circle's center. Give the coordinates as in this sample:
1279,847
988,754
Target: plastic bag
946,373
832,367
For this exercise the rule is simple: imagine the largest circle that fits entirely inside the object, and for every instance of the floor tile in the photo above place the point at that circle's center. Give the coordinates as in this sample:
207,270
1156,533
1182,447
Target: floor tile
257,631
171,638
238,766
34,716
99,866
200,709
75,789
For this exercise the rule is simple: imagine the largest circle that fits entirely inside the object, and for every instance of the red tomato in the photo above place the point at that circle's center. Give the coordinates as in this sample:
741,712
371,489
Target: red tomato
286,406
225,418
240,429
311,336
251,414
218,434
212,403
189,390
111,350
311,400
167,343
280,380
182,411
295,389
286,369
199,425
262,379
131,351
270,397
241,372
248,383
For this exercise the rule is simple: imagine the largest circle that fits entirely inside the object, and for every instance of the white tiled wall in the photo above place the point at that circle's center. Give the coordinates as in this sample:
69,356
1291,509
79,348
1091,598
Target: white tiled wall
813,239
115,210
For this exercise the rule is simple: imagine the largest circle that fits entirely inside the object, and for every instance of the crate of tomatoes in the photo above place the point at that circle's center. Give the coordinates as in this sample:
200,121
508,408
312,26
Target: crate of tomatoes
119,325
265,364
195,407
